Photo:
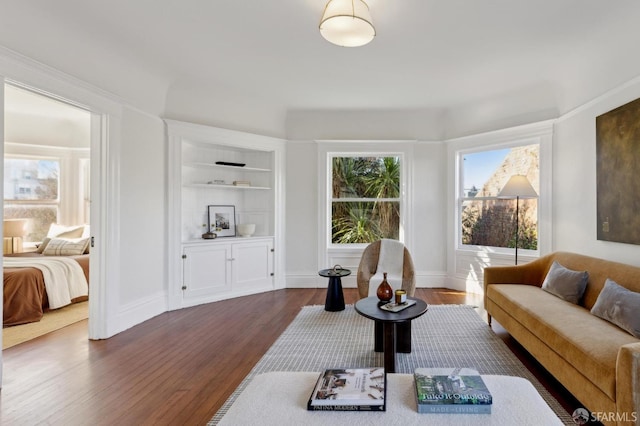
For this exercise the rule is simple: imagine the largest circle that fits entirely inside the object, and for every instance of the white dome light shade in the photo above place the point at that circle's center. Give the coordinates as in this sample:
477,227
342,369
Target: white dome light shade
347,23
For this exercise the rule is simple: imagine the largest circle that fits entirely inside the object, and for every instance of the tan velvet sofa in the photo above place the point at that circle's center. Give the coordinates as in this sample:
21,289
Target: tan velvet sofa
595,360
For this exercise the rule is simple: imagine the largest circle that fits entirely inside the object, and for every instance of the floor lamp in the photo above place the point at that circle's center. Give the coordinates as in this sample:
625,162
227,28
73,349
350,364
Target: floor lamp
518,186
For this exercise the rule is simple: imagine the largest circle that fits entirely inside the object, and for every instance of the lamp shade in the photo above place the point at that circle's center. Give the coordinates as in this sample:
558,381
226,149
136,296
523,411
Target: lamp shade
347,23
518,186
15,227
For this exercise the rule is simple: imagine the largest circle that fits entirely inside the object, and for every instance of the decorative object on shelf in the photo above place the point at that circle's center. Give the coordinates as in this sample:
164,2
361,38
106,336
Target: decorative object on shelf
209,235
246,229
518,186
13,231
242,182
347,23
384,292
229,163
222,220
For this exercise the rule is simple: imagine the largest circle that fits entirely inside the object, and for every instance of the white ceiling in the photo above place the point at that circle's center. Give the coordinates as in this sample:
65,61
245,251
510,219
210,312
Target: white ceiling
447,55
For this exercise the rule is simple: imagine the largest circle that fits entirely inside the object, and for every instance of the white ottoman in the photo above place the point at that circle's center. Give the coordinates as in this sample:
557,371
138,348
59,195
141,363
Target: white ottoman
280,398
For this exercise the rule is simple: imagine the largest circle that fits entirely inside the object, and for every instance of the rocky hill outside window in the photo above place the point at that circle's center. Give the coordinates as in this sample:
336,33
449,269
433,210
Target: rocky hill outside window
486,220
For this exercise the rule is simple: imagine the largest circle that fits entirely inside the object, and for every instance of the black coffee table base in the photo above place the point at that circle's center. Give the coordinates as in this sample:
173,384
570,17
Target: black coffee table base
392,329
402,336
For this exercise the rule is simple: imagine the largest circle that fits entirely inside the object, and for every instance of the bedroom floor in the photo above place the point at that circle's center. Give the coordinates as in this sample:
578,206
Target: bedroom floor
51,321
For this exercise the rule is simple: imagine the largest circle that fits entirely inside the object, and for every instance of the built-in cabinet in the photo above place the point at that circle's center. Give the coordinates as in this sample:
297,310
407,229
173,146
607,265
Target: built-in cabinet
217,167
237,267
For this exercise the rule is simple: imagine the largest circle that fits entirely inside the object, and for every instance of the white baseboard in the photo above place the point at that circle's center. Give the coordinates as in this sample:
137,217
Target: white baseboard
461,283
423,280
137,312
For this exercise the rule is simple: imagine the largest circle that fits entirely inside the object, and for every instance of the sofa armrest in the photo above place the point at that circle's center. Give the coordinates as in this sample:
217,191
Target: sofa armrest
531,273
628,381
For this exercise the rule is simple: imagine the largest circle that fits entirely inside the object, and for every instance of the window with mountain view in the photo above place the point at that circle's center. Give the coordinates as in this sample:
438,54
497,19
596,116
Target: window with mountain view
365,198
486,220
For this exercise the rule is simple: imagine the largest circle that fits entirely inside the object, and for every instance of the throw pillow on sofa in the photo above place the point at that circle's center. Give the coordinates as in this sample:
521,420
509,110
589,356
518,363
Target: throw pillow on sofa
619,306
565,283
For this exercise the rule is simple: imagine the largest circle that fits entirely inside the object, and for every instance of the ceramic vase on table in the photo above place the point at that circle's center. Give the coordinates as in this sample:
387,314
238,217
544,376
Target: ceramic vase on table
384,292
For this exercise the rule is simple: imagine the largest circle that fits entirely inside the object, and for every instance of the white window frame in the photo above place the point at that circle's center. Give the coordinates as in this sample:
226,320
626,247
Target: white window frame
331,199
467,261
348,255
70,203
460,198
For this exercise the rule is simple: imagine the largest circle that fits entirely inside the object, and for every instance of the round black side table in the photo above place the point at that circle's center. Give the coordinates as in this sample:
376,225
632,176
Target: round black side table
335,297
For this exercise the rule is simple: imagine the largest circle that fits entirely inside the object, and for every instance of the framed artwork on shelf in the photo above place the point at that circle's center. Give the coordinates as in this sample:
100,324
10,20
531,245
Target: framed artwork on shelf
222,220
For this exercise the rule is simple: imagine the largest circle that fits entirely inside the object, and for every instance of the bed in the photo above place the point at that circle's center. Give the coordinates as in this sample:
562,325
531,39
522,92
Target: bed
25,294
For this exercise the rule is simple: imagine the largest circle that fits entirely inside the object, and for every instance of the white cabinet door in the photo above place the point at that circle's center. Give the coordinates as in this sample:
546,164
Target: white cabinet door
207,270
252,266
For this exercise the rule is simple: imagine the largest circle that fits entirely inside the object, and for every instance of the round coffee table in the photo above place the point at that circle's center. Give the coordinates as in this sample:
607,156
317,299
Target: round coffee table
391,323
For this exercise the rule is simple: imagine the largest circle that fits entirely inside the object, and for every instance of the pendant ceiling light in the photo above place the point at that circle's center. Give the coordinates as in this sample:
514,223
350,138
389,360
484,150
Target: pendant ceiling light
347,23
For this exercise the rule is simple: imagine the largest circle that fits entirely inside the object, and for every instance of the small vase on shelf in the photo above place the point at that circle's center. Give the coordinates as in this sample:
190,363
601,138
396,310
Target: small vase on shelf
384,292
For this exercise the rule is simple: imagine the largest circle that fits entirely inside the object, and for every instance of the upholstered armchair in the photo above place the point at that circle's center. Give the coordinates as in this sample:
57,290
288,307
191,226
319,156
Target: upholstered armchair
369,264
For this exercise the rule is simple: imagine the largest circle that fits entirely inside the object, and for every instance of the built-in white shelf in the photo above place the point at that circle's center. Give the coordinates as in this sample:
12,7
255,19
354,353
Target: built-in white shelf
203,271
224,186
222,166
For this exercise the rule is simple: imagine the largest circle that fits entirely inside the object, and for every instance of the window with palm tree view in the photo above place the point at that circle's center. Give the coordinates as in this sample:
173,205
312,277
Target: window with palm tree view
366,198
485,219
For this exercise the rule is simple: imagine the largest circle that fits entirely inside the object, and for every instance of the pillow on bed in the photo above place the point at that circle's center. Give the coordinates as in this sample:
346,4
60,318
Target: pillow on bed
43,245
63,231
66,247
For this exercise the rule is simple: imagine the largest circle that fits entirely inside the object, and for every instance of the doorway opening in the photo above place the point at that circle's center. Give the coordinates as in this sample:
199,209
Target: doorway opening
47,199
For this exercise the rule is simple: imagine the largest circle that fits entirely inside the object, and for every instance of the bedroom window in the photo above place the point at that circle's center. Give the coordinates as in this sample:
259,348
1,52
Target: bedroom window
31,191
365,198
484,219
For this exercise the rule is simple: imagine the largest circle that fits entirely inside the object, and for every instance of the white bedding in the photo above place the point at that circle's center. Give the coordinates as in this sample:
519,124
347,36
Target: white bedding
63,277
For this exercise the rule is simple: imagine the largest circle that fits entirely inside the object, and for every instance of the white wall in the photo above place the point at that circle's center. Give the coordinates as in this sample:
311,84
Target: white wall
426,238
359,125
301,227
574,179
143,210
131,244
48,132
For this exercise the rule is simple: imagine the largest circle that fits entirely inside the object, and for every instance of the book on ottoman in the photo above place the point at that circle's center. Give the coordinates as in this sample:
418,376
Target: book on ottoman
350,389
451,390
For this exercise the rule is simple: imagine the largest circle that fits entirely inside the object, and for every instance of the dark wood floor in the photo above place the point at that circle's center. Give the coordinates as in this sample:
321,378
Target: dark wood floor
177,368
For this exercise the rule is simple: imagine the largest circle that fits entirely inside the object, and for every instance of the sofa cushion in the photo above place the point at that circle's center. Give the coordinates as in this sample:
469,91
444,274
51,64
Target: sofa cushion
619,306
583,340
565,283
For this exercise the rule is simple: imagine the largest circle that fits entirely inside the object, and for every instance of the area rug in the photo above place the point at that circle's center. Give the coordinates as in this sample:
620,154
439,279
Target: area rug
446,336
51,321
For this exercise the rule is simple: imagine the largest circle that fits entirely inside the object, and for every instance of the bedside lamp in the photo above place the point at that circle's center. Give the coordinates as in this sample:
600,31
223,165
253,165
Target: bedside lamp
13,231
